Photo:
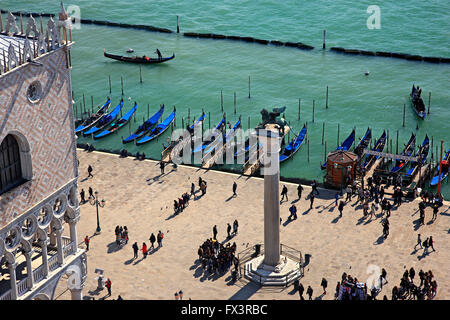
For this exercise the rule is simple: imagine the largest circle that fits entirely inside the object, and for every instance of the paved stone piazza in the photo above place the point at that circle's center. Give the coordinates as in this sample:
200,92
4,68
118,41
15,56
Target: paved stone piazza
139,198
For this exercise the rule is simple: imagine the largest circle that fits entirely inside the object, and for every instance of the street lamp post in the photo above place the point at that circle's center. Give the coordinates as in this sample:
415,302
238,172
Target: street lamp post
94,201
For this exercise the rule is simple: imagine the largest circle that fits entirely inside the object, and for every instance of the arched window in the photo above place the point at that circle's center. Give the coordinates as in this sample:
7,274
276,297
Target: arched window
10,166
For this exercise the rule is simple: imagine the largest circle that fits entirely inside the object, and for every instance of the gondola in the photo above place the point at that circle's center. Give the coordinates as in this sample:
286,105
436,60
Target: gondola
417,102
364,143
422,155
144,59
379,147
444,172
294,145
117,124
209,140
94,118
145,127
345,146
407,151
228,136
159,129
105,120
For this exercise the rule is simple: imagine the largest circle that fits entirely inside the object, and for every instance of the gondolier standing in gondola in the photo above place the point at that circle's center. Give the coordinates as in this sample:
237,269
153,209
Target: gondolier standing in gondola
158,53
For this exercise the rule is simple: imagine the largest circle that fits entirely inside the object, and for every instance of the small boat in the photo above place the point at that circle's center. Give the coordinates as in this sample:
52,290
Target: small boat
422,154
407,151
209,140
136,59
159,129
345,146
444,172
94,118
364,143
417,102
145,127
117,124
294,145
130,50
105,120
379,147
228,137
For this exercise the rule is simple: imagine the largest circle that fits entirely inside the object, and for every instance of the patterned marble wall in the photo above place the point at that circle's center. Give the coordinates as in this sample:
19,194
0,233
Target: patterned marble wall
47,126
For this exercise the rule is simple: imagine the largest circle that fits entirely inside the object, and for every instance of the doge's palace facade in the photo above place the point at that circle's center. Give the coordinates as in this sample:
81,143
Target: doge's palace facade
39,207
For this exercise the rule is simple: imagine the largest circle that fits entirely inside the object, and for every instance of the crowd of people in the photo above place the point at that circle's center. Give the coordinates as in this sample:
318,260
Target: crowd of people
217,258
407,289
121,235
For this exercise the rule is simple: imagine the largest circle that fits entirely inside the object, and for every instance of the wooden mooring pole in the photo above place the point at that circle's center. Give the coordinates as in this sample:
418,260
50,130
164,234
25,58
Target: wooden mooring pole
323,131
429,101
109,84
299,101
313,112
404,112
326,100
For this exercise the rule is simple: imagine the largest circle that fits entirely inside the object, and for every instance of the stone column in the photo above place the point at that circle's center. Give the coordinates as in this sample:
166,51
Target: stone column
52,235
271,172
43,244
12,276
73,233
77,294
59,245
30,280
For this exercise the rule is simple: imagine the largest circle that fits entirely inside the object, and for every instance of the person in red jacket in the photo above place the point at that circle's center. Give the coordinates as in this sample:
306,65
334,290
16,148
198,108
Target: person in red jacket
144,250
108,286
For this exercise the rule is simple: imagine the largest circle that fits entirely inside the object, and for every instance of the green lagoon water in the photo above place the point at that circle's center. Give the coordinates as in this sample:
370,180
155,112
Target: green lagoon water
280,76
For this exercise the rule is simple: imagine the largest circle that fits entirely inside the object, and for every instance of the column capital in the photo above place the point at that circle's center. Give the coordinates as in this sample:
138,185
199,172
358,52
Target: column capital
28,254
11,265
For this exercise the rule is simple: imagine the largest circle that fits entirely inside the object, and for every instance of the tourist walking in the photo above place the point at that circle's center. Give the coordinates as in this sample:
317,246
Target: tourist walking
89,169
311,199
301,289
412,274
309,292
388,209
284,192
86,242
349,194
144,250
192,189
299,191
422,217
91,193
336,199
234,189
152,241
435,211
431,242
228,230
135,249
425,245
383,276
160,238
161,166
235,226
419,242
108,285
314,187
341,208
83,200
215,232
293,210
386,228
324,285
